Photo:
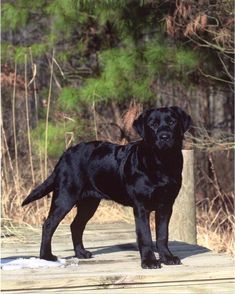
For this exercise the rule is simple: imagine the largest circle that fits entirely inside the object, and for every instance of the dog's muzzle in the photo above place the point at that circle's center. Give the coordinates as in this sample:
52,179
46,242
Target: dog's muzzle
164,140
164,137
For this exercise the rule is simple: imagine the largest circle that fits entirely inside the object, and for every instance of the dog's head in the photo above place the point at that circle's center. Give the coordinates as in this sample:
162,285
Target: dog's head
163,127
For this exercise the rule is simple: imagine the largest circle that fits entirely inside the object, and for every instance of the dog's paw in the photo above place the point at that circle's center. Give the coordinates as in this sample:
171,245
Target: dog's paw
170,260
49,257
150,264
83,254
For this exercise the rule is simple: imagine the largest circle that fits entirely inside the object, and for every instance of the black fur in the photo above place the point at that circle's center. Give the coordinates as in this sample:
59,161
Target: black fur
145,175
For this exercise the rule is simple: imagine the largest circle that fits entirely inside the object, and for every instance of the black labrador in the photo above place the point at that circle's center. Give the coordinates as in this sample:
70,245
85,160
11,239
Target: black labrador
145,175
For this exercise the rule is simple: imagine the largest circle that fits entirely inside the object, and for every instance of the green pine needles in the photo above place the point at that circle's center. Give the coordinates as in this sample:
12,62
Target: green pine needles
68,98
128,73
117,68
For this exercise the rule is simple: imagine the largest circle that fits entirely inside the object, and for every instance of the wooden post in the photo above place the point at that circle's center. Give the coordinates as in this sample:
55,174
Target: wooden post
183,220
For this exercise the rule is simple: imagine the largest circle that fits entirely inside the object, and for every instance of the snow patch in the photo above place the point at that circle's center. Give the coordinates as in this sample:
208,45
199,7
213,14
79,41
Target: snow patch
34,263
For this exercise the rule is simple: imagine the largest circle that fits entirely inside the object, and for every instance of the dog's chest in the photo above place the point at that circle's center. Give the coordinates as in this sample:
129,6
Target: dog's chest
154,196
162,179
164,188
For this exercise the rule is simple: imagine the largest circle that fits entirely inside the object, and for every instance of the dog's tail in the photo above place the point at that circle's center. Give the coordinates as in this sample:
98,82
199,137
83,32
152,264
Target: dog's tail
41,191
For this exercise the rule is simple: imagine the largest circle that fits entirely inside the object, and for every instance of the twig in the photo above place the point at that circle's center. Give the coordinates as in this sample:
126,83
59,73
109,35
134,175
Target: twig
8,155
34,70
216,181
27,120
47,114
214,78
60,69
14,124
94,119
211,45
225,68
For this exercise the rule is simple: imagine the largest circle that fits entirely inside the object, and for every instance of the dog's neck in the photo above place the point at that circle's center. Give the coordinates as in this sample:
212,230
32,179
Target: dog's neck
153,158
164,154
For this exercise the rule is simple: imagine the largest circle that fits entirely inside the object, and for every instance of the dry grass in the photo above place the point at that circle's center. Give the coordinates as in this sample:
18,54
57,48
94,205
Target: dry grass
219,242
216,223
216,217
113,212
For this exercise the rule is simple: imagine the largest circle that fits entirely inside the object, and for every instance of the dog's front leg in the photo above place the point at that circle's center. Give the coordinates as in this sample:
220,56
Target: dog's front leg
162,218
144,239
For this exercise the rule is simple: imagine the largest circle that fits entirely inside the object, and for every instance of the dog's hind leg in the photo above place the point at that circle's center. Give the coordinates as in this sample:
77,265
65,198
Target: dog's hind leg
86,209
61,204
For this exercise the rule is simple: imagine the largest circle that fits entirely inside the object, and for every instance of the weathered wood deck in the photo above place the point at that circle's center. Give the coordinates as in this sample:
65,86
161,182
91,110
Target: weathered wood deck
115,267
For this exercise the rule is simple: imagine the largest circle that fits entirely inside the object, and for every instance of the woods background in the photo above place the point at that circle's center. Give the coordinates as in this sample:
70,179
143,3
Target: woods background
82,70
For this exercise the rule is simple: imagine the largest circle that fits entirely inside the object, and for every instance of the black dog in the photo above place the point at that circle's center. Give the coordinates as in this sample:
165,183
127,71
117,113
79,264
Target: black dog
145,175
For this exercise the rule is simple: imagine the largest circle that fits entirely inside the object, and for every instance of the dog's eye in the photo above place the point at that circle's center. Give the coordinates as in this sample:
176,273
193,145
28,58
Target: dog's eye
171,122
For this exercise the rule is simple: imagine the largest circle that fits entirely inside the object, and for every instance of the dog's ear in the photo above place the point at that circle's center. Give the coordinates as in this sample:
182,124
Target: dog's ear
139,123
184,118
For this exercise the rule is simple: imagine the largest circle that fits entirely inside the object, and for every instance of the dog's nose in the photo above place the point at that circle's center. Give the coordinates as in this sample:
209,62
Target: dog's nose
164,137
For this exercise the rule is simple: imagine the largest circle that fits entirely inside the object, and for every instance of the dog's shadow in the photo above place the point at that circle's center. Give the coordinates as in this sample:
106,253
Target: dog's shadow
179,248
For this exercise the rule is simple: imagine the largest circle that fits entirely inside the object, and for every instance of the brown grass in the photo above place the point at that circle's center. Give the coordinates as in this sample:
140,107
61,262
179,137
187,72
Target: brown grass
216,218
215,227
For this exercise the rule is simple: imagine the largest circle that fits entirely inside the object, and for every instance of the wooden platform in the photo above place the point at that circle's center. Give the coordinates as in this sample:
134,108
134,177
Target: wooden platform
115,267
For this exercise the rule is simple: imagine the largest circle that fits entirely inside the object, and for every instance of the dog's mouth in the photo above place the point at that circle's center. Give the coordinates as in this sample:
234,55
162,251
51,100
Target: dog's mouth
164,141
164,145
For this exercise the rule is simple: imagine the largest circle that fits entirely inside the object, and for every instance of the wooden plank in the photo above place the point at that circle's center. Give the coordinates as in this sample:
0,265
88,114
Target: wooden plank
215,287
116,266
